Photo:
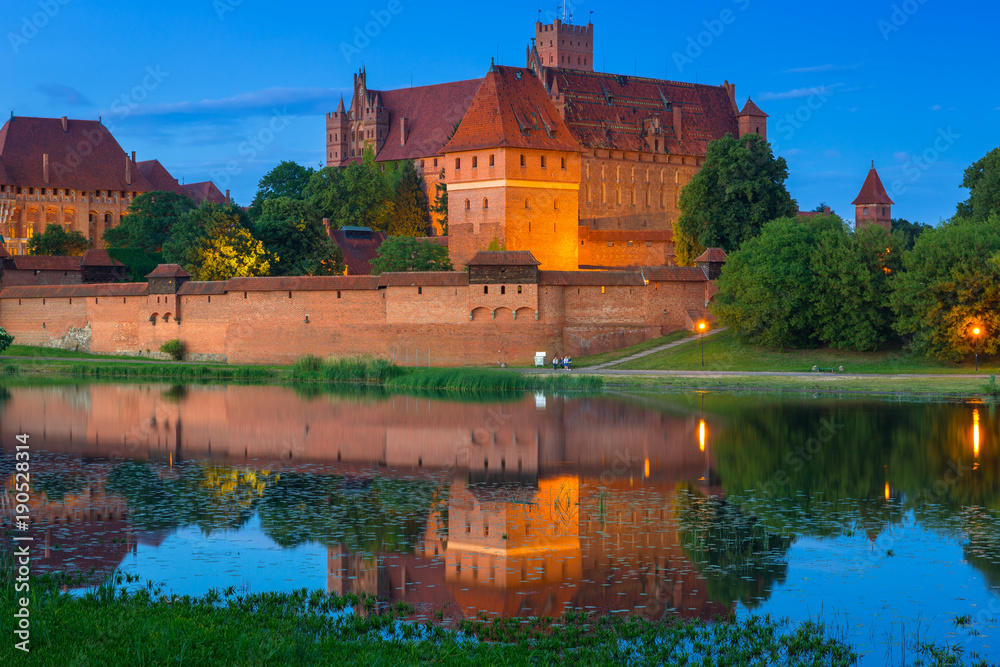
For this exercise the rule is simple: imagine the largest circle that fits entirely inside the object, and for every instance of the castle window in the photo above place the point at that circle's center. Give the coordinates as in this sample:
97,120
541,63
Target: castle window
866,211
338,294
492,162
468,204
420,290
629,244
562,162
435,162
486,203
518,289
503,289
526,204
486,289
649,244
289,295
543,162
552,60
421,164
475,162
458,163
603,290
611,244
523,163
555,204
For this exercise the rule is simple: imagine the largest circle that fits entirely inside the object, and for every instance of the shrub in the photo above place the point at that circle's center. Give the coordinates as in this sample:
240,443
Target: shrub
5,340
175,348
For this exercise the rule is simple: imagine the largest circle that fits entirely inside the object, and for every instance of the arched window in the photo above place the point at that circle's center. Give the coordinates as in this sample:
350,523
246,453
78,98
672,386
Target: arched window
108,219
468,204
526,203
486,203
555,204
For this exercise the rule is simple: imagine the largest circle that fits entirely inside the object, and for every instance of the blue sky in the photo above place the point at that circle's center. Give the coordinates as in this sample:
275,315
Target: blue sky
226,89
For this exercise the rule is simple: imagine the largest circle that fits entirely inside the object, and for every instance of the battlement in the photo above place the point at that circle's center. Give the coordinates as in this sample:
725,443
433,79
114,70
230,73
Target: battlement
566,28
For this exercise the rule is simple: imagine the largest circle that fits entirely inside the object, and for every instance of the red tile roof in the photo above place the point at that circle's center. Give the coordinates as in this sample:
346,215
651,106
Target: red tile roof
159,178
358,252
45,263
511,108
610,110
670,274
69,291
302,284
169,271
590,278
751,109
84,157
712,255
872,192
3,252
206,190
504,258
98,258
202,288
431,113
425,279
4,178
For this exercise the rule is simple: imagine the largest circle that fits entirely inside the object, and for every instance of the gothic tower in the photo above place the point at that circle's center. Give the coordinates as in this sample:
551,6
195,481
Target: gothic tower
872,206
565,45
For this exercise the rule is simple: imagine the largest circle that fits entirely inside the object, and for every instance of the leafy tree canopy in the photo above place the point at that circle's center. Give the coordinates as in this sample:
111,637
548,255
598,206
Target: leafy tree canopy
740,187
150,221
213,242
293,232
56,241
411,209
406,253
288,179
951,284
982,179
910,231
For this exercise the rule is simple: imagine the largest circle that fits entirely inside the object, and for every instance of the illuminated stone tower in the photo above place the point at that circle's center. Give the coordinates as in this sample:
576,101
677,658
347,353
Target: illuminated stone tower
565,45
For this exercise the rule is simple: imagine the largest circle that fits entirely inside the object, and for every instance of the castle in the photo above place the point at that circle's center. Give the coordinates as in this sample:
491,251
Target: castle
583,169
73,173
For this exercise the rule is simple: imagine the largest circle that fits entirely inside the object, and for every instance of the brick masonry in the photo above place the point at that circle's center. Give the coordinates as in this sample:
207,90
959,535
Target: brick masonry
455,325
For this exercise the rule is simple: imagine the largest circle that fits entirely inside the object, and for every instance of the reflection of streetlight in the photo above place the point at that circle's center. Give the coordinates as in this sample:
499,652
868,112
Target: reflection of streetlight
975,333
701,435
701,327
975,432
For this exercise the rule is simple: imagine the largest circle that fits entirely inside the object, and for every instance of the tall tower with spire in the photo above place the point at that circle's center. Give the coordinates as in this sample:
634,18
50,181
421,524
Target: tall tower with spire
872,206
338,126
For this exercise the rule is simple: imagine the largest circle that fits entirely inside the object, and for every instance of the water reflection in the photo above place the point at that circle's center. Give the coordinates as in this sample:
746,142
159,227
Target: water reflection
659,506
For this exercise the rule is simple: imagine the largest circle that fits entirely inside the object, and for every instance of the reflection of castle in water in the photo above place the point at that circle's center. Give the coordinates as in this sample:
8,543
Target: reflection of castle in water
523,535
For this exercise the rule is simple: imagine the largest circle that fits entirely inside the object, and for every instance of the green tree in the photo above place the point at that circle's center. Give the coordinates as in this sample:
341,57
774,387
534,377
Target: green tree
56,241
213,242
982,179
411,210
293,231
951,283
359,194
440,205
288,179
5,340
150,221
767,285
406,253
740,187
852,291
910,231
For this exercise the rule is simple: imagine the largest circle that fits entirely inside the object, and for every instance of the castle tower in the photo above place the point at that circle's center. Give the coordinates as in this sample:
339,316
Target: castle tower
752,120
338,127
872,206
565,45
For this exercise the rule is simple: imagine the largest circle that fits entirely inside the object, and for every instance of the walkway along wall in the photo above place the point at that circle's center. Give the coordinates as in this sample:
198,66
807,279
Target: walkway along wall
403,316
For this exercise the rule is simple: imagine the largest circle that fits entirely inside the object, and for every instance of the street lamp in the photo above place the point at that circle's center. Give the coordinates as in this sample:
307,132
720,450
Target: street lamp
975,333
701,328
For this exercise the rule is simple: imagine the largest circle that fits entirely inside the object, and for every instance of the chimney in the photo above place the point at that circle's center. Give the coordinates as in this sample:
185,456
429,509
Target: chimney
678,130
65,124
228,199
128,171
402,131
45,168
133,156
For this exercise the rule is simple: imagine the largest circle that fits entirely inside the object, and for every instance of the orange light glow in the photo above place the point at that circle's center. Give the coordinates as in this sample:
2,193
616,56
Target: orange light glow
888,493
975,332
647,469
701,326
975,433
701,435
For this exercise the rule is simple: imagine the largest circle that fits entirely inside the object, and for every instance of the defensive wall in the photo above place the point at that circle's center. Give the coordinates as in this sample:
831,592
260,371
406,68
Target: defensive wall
494,319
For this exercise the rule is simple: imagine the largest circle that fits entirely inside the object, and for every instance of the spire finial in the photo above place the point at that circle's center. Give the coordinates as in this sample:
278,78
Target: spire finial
873,164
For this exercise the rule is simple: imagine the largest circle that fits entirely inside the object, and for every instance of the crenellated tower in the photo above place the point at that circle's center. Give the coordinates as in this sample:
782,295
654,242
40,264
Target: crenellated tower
565,45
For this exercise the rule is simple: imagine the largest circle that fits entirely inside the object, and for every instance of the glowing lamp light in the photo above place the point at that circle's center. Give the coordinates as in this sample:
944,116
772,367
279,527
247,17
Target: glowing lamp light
975,433
701,435
702,325
646,470
888,493
975,332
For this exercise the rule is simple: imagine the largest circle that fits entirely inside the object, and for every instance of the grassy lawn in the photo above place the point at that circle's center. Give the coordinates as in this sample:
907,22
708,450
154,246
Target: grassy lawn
723,352
53,353
595,359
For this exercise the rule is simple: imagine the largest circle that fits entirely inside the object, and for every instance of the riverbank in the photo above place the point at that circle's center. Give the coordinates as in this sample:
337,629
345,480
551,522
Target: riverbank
111,626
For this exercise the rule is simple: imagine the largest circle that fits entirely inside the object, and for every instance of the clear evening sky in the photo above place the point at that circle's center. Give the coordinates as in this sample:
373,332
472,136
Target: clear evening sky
203,85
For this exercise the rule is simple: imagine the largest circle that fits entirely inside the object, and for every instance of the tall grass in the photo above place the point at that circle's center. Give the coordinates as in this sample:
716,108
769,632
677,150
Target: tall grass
126,371
363,369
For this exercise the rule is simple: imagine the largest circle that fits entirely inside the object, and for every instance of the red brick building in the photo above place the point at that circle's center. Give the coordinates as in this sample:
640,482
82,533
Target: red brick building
72,173
872,206
629,145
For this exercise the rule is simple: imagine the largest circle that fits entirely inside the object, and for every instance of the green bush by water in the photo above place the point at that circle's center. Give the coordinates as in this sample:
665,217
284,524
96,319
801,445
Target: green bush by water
175,348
